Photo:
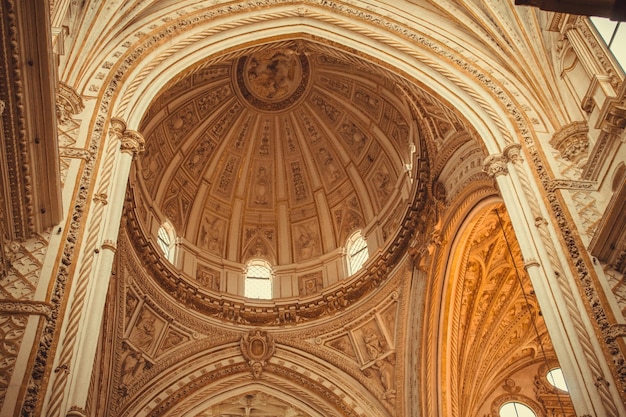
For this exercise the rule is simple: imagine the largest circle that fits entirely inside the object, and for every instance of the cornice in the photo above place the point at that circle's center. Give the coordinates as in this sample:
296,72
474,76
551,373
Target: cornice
230,308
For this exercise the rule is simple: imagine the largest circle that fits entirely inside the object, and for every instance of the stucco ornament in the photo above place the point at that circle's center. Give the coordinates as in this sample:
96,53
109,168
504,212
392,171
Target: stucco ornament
257,347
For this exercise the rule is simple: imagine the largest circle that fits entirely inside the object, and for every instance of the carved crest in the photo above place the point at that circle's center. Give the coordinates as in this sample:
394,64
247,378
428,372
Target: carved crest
257,347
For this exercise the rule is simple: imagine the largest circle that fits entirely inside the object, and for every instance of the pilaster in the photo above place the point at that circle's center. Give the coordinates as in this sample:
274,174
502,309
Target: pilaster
68,390
580,354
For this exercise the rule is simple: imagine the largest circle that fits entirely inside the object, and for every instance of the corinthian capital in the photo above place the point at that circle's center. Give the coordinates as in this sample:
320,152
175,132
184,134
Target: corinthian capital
131,141
495,165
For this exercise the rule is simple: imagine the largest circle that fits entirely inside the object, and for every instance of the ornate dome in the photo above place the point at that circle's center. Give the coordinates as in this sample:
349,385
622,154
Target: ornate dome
279,152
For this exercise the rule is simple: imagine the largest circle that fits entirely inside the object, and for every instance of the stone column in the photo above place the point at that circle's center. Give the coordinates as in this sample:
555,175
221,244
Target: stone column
587,373
131,143
68,391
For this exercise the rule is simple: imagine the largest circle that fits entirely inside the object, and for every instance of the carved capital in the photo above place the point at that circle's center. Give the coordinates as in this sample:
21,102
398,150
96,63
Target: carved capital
513,153
110,245
76,411
131,141
495,165
572,141
257,347
68,104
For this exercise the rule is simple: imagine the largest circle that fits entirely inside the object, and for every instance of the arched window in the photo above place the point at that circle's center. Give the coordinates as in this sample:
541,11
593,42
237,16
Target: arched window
515,409
357,252
166,239
556,379
258,283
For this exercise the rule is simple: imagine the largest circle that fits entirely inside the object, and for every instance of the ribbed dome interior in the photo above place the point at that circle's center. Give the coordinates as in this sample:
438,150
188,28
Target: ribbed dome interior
278,152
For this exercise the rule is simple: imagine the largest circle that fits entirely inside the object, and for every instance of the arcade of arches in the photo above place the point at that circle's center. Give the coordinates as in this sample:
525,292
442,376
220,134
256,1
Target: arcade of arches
161,156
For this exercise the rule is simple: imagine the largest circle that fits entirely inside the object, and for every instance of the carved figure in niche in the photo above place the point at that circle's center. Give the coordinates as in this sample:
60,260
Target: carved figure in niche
132,363
149,164
172,339
144,331
385,373
272,77
330,167
286,317
211,235
131,303
262,185
373,345
382,182
354,137
307,243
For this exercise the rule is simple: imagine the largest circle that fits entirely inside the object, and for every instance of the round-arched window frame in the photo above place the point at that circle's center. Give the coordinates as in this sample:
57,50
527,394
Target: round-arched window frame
556,379
516,409
258,280
357,252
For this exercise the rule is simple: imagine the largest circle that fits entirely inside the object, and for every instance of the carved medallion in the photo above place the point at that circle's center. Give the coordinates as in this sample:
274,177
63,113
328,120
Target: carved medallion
273,80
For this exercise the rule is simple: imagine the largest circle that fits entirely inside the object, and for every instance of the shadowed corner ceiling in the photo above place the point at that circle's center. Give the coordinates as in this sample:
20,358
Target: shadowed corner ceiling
280,152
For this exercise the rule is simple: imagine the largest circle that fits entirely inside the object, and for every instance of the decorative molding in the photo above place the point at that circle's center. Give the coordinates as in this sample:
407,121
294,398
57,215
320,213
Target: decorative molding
572,185
615,331
26,307
75,153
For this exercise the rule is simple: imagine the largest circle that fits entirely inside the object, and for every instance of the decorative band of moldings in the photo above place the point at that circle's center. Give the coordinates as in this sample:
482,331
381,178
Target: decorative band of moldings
75,153
34,308
572,185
